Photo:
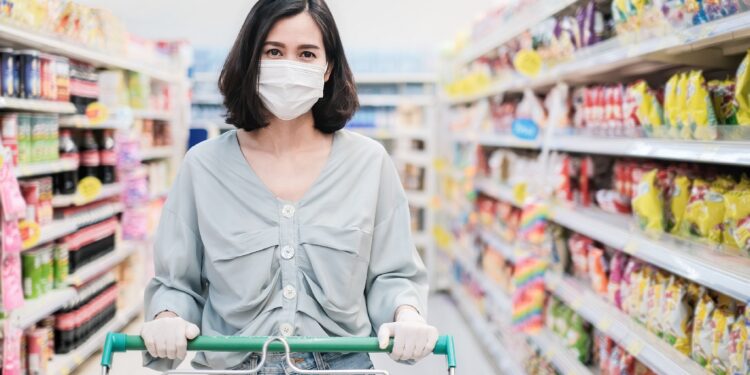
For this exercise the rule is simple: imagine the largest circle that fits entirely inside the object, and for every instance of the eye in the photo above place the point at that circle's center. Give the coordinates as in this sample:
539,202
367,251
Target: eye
274,52
307,55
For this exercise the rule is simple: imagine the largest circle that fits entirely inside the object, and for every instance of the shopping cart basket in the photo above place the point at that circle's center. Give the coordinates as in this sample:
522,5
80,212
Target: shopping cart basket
118,342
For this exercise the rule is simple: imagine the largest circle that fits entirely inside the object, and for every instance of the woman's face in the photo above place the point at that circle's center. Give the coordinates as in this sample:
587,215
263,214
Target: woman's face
296,38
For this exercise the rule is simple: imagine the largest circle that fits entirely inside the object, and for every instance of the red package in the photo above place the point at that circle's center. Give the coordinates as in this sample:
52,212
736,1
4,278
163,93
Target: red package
616,278
586,174
579,246
597,264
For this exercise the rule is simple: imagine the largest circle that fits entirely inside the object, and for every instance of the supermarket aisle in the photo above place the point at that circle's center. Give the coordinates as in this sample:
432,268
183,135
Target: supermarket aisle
443,314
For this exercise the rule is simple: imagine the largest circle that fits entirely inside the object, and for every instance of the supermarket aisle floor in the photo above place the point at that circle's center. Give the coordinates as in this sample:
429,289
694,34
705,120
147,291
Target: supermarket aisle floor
443,313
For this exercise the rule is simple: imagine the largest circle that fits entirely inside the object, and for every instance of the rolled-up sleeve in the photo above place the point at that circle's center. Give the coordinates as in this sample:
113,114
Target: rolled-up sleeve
396,274
177,284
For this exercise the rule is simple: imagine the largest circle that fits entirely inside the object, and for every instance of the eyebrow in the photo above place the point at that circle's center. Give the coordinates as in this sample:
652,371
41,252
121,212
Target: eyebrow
282,45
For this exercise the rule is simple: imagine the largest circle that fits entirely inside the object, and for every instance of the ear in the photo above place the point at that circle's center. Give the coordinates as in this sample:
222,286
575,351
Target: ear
329,71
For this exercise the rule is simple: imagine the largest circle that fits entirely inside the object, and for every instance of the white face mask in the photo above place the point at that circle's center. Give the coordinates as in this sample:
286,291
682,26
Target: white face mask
288,88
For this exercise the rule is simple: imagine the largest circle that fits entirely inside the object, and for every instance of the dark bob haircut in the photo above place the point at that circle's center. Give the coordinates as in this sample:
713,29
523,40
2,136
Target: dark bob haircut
238,81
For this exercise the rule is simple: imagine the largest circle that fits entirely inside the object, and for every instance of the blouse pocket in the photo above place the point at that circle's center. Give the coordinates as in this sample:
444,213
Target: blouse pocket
244,264
335,261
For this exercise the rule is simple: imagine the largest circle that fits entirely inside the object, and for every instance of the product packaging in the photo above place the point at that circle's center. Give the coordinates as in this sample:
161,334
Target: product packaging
742,91
677,315
702,330
648,205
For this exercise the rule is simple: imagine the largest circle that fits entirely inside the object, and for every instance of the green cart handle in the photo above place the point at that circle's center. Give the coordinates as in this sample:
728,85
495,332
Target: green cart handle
120,342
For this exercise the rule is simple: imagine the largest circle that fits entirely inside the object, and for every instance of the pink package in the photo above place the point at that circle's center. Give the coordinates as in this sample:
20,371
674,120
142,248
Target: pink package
11,349
616,276
11,199
11,266
135,224
579,246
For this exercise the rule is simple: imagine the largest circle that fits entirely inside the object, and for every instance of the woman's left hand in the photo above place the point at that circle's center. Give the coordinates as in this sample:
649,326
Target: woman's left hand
413,338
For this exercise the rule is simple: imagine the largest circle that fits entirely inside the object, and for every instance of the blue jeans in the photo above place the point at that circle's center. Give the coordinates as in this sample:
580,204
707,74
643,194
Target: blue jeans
276,362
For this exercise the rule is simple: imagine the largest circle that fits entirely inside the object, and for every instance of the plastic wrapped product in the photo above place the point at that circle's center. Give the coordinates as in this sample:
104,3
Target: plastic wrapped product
677,315
737,218
648,204
739,344
702,330
704,215
598,270
670,103
682,129
742,91
657,287
578,338
628,286
722,321
678,200
579,247
647,109
616,278
722,95
702,118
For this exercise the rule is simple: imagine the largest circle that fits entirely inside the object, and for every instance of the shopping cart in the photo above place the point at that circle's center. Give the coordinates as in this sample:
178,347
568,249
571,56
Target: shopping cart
119,342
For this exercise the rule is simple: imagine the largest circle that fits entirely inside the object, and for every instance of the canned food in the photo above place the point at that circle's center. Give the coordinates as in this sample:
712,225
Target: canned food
28,61
32,265
46,274
61,266
7,72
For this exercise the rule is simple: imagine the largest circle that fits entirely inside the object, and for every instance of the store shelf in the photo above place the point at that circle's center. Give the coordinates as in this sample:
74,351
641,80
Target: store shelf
497,191
82,122
46,168
37,309
499,298
33,105
390,78
418,198
208,99
64,364
108,191
718,152
561,357
370,100
636,339
508,251
725,273
63,227
505,360
162,152
52,44
418,158
158,115
101,265
529,17
498,140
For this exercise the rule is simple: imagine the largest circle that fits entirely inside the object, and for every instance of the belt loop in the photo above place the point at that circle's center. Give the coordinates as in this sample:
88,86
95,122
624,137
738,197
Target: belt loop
319,362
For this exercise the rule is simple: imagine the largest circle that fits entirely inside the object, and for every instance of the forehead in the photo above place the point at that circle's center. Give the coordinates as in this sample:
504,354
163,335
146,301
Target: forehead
296,30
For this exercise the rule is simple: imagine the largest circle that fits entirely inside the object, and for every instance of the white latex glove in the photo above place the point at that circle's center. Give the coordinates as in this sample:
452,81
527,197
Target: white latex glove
413,338
166,337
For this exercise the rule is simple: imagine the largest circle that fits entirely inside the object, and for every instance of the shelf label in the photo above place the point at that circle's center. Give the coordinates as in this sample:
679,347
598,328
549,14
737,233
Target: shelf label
528,62
30,233
525,129
634,347
605,323
89,188
96,113
519,192
631,247
577,303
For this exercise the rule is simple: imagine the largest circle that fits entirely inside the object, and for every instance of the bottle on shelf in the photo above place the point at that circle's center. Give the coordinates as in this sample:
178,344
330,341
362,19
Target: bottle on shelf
107,157
89,156
65,182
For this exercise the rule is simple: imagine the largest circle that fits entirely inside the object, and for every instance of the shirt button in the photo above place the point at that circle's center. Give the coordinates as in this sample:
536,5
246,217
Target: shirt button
287,211
286,329
290,292
287,252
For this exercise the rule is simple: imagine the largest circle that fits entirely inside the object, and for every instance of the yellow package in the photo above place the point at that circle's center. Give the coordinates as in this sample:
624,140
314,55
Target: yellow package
701,338
677,315
648,110
738,345
655,302
704,215
681,105
737,219
742,91
700,108
670,102
723,319
637,300
678,201
648,204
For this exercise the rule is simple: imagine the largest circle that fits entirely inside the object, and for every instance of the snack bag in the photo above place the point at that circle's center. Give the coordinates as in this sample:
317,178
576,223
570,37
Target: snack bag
657,286
604,346
737,218
704,214
648,110
677,315
629,284
598,270
723,319
702,118
701,340
742,91
648,205
578,338
671,116
678,200
617,278
579,249
683,129
738,344
725,107
644,294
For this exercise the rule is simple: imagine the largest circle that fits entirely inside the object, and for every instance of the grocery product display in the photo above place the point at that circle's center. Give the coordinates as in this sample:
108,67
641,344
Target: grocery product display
605,140
82,100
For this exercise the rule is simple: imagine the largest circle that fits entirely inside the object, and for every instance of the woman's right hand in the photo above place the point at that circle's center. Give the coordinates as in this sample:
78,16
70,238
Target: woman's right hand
167,335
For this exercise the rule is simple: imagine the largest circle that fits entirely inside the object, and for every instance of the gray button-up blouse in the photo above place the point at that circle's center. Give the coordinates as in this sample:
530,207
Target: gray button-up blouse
236,260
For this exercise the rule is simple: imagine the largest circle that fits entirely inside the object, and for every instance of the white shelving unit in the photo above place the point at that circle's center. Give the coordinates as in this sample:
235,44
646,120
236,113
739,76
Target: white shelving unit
44,106
62,227
108,191
162,152
394,100
101,265
498,140
497,191
45,168
561,357
508,251
82,122
37,309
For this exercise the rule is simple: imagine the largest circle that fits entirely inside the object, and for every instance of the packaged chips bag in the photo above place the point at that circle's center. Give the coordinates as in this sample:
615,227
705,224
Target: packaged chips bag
702,331
742,91
700,108
679,196
648,110
683,129
704,215
677,315
722,321
648,204
629,284
739,346
598,270
722,96
616,278
671,116
657,286
737,217
578,338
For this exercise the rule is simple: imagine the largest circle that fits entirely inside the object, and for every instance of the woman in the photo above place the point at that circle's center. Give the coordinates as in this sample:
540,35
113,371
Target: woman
288,226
